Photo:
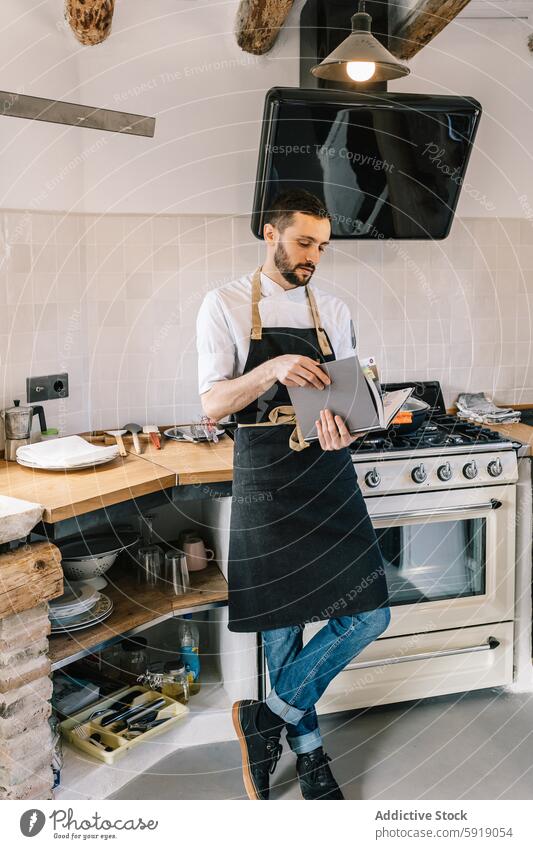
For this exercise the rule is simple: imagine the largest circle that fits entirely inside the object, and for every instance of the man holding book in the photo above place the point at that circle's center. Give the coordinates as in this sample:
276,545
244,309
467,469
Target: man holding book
302,546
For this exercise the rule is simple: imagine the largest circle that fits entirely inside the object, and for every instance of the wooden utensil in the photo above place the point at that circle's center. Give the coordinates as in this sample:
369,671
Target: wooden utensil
120,442
134,429
153,432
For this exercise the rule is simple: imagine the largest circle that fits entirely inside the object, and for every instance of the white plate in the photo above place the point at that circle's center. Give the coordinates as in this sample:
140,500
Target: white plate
98,613
67,468
67,629
78,593
74,610
74,591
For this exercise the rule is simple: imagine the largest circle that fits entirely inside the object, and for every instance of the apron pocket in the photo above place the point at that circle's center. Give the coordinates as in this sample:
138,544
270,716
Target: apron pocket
258,434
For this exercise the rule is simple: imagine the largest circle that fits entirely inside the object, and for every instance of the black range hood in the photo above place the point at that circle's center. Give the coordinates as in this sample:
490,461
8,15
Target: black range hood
386,165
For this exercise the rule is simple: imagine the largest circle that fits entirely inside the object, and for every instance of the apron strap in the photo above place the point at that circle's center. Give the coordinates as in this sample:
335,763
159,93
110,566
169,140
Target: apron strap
320,332
256,317
256,295
283,414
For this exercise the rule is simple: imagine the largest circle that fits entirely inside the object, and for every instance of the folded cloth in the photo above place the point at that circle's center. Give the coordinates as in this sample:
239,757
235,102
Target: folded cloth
478,407
69,451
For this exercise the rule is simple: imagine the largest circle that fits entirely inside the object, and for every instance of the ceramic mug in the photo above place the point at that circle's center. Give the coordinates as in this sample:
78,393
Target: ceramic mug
197,554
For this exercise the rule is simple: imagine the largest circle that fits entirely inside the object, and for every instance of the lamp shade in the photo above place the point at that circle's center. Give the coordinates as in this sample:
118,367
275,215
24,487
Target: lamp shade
360,47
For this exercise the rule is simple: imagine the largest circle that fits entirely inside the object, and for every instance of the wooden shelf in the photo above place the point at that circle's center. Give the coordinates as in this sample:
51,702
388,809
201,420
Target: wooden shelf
136,608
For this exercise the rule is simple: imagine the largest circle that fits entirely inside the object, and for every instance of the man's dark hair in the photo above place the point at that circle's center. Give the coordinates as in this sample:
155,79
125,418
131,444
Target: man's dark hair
281,211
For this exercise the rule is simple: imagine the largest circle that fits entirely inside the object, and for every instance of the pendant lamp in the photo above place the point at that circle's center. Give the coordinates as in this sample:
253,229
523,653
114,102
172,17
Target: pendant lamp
360,57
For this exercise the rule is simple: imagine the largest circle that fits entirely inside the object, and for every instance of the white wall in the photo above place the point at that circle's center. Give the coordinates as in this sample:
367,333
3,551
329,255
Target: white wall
38,161
175,59
178,60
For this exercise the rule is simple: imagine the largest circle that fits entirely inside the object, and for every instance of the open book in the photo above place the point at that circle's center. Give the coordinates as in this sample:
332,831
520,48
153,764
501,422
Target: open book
354,394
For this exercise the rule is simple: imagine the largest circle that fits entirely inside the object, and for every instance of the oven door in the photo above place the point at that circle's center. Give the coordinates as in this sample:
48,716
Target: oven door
449,557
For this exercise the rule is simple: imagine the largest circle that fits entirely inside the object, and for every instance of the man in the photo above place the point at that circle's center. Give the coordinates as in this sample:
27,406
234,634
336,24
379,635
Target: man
302,547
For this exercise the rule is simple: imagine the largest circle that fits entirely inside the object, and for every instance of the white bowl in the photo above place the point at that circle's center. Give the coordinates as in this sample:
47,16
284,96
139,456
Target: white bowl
92,567
89,556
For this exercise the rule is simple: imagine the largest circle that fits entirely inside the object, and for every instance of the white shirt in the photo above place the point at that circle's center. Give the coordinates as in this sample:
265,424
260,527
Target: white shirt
224,324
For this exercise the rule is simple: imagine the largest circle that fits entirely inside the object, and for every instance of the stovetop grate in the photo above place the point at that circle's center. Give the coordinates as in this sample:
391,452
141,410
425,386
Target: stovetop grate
437,432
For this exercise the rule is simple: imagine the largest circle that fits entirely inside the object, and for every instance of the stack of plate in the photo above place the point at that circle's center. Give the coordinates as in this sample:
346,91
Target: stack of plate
68,452
79,607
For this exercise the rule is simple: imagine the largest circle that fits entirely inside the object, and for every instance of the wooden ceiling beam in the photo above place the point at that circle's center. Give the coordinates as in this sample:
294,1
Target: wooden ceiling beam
258,23
421,24
90,20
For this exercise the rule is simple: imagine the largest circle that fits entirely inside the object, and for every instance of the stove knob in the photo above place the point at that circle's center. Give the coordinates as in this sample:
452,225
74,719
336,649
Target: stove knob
444,473
495,468
470,470
372,478
419,473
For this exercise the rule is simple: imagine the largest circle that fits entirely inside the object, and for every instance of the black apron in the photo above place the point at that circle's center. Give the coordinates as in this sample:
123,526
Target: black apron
302,547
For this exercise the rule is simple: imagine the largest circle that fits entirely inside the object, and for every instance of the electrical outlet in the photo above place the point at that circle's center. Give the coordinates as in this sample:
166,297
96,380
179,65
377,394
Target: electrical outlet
46,388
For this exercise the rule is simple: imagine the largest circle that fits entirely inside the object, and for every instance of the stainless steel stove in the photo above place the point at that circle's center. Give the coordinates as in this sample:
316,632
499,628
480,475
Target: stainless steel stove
442,454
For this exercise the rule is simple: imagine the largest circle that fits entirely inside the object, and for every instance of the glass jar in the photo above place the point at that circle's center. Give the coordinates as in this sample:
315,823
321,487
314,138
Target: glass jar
171,682
134,656
111,662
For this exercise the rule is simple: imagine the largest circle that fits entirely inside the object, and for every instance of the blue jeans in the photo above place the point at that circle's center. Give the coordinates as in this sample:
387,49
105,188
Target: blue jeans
299,675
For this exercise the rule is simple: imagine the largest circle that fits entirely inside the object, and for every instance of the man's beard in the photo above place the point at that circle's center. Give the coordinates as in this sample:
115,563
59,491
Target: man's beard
288,271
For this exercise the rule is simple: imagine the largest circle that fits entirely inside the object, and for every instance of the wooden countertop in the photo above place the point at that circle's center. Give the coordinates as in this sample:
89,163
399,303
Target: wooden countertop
191,462
67,494
518,432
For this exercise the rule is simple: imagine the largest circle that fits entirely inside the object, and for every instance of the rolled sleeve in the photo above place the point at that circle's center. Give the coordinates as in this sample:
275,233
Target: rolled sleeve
214,343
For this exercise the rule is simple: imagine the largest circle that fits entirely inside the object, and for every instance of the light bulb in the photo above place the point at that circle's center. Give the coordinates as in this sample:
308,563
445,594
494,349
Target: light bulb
360,71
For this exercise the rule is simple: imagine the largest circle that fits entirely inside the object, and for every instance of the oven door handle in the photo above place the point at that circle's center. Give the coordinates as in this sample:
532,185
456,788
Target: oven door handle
493,504
492,643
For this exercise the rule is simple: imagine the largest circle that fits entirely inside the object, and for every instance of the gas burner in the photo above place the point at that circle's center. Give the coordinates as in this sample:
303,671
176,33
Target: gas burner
434,438
445,432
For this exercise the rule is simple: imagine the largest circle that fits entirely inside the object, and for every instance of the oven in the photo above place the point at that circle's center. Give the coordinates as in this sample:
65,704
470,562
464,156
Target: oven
449,557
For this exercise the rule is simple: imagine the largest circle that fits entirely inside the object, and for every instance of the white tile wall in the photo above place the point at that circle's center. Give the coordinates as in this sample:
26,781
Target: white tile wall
113,301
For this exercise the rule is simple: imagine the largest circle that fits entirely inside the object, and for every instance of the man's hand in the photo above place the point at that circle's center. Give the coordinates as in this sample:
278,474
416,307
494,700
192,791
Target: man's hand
333,433
296,370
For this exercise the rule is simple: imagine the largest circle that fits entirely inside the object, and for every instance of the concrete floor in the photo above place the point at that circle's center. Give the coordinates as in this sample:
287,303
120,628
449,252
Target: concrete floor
476,745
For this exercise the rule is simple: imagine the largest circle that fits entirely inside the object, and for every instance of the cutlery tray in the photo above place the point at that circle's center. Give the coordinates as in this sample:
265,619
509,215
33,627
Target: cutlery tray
116,739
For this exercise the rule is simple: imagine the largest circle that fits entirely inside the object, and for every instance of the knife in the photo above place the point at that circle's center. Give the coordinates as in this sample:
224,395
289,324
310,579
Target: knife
147,715
126,714
125,700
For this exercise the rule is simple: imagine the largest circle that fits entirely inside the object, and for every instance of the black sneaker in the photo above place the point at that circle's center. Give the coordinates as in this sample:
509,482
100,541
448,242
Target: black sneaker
259,754
315,776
